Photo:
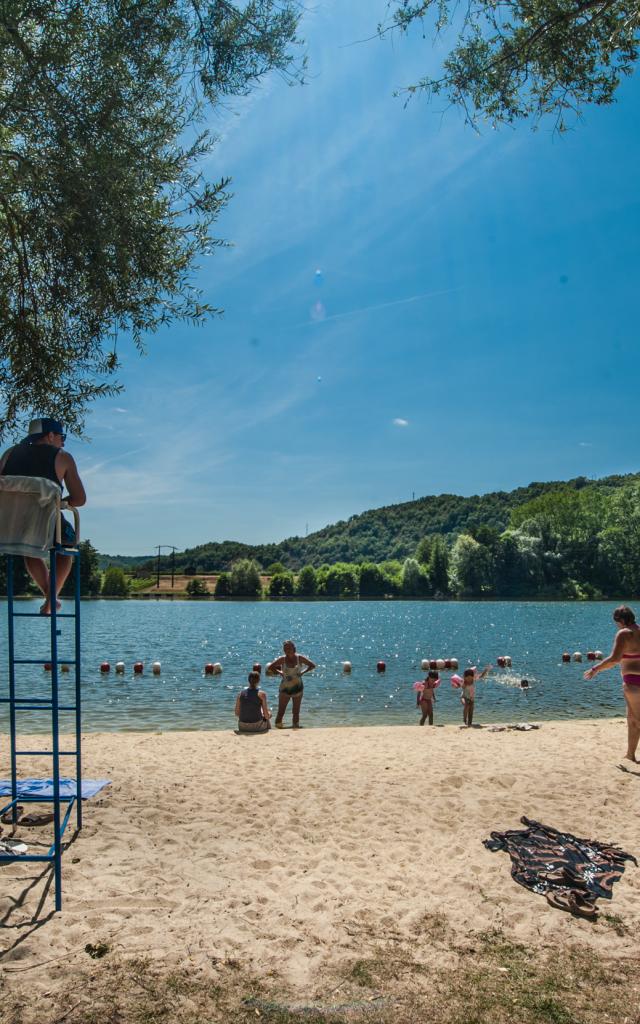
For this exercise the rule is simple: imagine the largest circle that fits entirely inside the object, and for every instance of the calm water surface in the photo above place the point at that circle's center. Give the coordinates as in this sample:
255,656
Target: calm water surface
183,635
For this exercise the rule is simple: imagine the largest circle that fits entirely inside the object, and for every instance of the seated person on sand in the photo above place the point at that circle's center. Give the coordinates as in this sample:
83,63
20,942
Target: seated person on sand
40,454
626,654
252,710
291,667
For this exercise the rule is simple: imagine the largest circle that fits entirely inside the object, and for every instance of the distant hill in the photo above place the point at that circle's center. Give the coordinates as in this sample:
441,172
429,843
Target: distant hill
123,561
392,532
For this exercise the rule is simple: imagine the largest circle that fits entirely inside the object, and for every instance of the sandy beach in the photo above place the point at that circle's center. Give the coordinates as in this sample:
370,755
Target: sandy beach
298,852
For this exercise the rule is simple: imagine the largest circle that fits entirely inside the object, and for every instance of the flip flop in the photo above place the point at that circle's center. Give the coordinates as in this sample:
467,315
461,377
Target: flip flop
572,902
583,906
7,817
36,819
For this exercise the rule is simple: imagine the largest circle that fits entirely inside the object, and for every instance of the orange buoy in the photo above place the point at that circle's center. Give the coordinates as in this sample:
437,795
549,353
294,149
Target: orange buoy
64,667
138,668
500,662
591,655
346,667
381,666
566,657
433,664
105,667
208,668
47,666
447,663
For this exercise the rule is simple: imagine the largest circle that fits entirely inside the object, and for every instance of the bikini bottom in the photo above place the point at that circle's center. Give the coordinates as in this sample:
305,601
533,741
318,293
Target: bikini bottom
631,679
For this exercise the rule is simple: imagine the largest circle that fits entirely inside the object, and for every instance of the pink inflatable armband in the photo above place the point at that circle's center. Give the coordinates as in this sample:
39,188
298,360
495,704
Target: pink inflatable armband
457,682
419,685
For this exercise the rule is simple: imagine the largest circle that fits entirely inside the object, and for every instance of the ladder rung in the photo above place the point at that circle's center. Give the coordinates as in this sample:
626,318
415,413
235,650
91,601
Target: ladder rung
42,661
37,615
44,753
45,707
23,700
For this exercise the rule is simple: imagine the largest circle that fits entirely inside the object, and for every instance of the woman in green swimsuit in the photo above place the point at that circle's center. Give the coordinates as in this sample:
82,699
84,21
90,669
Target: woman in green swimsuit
291,667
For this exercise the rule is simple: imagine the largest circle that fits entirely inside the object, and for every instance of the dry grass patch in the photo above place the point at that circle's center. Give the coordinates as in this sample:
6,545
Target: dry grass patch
495,982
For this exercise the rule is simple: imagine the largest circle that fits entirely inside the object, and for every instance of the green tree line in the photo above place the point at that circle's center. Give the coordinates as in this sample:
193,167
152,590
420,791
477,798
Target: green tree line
395,533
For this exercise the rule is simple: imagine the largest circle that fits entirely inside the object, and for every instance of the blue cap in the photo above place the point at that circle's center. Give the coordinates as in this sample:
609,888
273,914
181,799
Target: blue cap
38,429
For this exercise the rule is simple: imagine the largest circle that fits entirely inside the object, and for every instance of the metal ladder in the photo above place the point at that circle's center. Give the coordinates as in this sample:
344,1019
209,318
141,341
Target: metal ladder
51,704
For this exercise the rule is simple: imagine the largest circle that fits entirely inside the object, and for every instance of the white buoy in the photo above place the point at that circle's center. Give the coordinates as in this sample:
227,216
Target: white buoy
120,668
217,668
577,656
346,666
424,664
156,668
454,662
507,660
599,655
440,663
64,667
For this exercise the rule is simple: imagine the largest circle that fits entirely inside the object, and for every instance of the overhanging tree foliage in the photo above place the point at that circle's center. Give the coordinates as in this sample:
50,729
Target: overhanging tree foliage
525,58
104,209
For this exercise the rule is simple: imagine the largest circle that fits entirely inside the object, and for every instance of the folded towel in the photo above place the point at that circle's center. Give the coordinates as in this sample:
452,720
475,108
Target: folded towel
28,509
44,787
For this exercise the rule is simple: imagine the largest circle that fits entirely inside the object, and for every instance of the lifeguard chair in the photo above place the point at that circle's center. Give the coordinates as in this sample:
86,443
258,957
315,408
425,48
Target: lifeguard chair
30,524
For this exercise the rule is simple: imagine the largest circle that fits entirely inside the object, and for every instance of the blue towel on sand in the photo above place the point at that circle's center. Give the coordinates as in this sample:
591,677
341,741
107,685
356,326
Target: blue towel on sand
44,787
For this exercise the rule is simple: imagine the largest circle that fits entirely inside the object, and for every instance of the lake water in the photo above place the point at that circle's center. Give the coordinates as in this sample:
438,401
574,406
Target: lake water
184,635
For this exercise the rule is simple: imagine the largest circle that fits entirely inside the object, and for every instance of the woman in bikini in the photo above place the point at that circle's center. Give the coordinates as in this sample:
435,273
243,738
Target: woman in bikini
291,667
626,654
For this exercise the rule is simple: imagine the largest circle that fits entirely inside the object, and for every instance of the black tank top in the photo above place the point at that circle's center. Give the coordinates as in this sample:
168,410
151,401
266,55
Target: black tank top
250,706
32,460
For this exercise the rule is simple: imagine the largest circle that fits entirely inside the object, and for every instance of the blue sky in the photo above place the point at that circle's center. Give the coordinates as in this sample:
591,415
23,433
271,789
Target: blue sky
472,327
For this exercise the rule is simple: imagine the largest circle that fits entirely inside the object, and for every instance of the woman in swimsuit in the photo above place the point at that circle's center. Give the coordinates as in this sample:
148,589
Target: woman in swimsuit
626,653
427,695
292,667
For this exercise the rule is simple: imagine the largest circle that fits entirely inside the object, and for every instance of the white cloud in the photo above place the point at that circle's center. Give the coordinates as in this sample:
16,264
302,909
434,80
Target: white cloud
399,422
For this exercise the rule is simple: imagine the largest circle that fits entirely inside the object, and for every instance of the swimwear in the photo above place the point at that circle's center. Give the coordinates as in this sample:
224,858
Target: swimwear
631,679
631,656
469,692
291,683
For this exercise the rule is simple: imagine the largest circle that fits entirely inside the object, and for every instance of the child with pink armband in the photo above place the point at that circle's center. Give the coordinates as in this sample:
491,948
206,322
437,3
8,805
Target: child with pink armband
467,684
426,695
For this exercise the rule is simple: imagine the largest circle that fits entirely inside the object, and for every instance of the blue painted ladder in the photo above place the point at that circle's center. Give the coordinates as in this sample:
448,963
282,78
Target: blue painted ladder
46,704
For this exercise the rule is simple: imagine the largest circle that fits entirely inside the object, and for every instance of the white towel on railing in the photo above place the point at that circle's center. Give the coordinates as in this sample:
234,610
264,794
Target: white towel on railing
28,508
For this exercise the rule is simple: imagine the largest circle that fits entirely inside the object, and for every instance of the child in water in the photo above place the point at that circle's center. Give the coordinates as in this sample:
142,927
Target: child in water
468,682
426,696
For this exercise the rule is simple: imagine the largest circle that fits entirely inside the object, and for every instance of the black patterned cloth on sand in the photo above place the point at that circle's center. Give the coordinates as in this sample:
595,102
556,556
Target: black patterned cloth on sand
544,859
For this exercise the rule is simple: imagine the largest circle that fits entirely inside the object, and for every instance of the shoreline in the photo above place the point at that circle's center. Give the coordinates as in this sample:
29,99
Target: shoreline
449,725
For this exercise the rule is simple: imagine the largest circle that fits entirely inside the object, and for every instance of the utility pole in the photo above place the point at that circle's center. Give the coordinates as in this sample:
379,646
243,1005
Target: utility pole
173,563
